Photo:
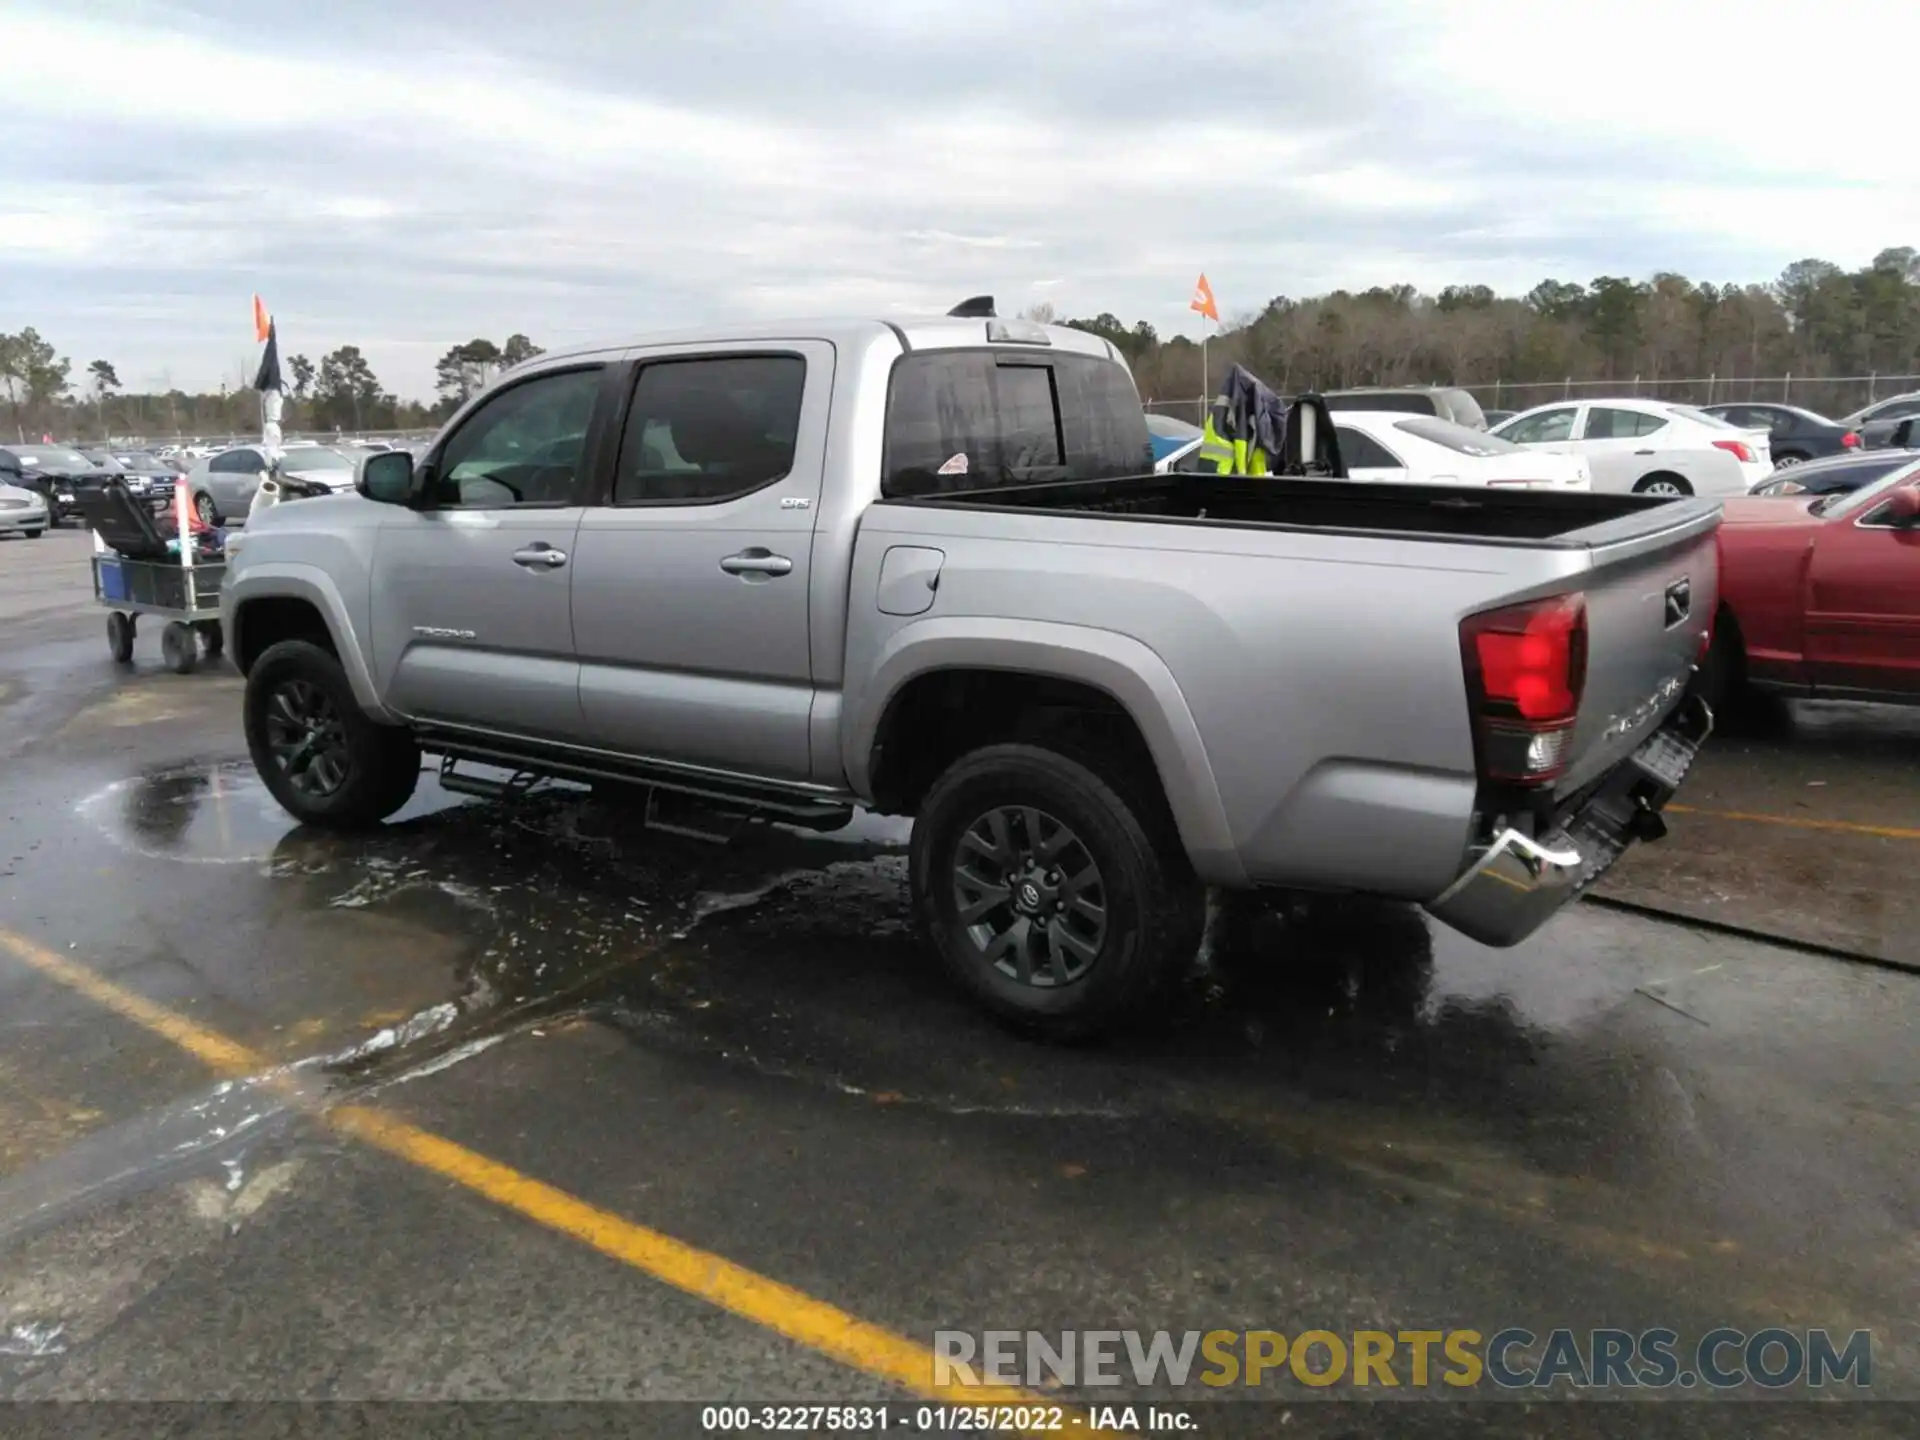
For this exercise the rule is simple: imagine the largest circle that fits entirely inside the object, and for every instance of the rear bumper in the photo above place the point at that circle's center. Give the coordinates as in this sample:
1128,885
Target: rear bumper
1517,882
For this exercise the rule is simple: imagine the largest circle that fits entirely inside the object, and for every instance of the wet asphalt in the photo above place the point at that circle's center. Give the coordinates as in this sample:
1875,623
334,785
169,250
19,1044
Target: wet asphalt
1350,1119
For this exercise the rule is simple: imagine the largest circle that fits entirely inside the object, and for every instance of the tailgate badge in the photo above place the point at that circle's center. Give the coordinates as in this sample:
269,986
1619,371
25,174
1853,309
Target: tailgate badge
1679,602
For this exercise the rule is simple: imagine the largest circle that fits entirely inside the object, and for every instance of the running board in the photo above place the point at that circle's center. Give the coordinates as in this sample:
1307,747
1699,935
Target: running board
732,808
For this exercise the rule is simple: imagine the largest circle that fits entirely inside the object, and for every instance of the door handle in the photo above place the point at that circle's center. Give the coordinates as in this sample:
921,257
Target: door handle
1643,452
540,556
757,560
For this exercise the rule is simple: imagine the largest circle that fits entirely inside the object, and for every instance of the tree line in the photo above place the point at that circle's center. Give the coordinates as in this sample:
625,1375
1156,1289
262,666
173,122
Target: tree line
1825,327
340,392
1815,323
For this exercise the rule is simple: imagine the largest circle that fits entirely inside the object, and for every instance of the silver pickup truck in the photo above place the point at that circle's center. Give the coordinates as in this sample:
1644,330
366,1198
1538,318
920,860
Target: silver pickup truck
924,567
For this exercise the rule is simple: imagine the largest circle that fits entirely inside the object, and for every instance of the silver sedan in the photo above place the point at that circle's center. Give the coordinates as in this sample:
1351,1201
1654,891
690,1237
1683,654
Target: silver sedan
224,485
22,512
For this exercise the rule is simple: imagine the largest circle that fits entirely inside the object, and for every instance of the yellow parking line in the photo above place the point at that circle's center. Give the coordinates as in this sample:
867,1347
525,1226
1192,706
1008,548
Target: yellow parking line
1850,827
815,1324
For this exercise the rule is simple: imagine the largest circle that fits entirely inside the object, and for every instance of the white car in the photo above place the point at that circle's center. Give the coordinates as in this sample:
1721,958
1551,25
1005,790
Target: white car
22,511
1648,447
1404,449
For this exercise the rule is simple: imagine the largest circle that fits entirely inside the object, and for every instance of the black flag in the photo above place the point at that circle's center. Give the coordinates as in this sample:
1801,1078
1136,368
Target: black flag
269,376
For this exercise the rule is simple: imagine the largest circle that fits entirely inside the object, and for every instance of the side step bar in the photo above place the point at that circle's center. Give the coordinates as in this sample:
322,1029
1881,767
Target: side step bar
728,808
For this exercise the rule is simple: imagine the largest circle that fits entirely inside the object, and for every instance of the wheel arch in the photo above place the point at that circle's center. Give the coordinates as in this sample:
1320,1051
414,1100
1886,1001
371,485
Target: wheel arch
1043,667
275,602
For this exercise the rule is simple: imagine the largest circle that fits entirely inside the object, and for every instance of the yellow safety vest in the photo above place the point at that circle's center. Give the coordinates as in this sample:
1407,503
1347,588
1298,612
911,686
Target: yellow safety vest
1230,457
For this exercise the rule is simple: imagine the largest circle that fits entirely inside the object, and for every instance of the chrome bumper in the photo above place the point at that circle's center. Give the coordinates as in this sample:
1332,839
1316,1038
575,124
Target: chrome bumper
1517,882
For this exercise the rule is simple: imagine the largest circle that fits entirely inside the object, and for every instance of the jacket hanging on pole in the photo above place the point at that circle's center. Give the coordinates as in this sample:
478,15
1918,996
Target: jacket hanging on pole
1247,426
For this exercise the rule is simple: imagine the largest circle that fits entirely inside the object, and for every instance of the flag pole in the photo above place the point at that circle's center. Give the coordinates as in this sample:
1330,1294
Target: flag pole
1206,396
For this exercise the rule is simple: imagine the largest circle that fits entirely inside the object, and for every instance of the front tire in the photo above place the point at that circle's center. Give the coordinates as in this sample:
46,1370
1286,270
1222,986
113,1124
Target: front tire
35,534
1057,896
323,759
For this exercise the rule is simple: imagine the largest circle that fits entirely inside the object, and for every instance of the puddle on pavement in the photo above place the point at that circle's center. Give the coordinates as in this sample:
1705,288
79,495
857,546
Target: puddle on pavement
219,814
792,954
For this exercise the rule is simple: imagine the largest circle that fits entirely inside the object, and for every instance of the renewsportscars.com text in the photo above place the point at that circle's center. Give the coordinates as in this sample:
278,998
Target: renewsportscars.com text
1772,1358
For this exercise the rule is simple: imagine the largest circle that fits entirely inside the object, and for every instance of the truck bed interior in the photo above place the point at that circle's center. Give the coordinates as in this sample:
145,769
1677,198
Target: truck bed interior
1536,517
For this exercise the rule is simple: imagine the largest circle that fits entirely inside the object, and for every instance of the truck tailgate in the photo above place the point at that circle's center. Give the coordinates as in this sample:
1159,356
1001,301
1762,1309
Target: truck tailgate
1650,601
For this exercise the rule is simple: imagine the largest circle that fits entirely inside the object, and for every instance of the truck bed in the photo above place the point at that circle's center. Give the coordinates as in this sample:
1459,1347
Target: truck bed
1517,517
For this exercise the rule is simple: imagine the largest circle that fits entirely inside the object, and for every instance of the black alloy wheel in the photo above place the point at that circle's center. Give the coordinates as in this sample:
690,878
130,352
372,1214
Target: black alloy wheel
1030,896
307,738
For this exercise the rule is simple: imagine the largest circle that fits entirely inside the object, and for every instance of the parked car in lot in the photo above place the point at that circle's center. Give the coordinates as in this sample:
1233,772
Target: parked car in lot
1647,447
224,485
22,511
1421,450
1820,596
1833,476
933,575
1443,402
1498,417
56,472
1876,422
1795,435
1173,441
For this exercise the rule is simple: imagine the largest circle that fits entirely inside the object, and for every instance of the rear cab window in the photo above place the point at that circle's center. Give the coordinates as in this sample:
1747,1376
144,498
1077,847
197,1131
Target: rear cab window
977,419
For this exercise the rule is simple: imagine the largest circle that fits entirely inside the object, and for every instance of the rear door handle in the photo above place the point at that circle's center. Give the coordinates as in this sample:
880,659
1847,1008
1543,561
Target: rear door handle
540,556
757,560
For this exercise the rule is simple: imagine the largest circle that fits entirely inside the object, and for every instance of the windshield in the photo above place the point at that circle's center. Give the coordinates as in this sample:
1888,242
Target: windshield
48,459
315,458
1458,438
1169,428
1853,502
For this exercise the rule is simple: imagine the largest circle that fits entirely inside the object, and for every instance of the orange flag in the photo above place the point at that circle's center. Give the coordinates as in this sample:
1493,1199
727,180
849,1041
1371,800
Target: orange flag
259,319
1203,301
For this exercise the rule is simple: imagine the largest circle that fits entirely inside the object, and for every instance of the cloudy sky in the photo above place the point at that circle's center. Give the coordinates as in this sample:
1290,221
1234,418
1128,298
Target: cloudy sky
403,174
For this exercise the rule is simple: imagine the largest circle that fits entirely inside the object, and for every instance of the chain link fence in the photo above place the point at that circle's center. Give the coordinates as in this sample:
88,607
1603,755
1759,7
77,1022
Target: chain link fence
1832,395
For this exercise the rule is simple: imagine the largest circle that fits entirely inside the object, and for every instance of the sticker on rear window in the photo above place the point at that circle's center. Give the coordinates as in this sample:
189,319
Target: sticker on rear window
956,465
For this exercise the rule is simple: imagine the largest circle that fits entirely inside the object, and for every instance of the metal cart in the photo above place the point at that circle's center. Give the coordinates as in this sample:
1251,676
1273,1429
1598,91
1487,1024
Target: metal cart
179,590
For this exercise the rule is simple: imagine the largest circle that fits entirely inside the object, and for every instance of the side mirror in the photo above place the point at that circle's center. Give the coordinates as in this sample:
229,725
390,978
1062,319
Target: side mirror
1903,508
387,477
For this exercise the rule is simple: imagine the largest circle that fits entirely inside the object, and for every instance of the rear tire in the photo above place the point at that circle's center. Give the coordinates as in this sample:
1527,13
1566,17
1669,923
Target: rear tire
1058,902
1783,462
178,647
204,507
1662,482
320,755
120,637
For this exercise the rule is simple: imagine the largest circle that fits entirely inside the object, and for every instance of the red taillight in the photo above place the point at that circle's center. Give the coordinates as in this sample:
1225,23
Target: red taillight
1526,667
1850,441
1738,449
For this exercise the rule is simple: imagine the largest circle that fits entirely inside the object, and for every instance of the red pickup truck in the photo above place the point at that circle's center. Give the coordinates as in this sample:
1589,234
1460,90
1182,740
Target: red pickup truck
1820,597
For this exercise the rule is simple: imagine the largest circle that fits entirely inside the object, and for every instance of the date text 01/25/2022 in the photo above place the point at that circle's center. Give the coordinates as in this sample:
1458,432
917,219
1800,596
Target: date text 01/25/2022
937,1419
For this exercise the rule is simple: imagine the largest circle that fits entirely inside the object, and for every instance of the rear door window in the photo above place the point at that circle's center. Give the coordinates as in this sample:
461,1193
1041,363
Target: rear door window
1544,428
710,429
961,420
1607,423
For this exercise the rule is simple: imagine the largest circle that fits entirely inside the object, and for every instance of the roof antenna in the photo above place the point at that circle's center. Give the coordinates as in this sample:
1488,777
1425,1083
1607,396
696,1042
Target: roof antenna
980,307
